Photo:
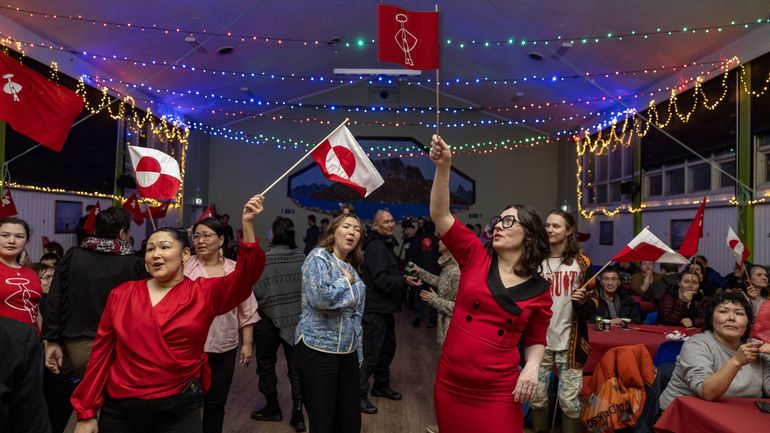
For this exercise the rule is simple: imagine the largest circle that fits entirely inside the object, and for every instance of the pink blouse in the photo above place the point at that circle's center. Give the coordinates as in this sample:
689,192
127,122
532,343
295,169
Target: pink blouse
223,333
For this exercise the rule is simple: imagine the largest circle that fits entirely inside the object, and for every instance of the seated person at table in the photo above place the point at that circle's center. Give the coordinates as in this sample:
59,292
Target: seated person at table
669,278
736,280
709,274
720,361
614,301
705,287
642,281
680,306
625,270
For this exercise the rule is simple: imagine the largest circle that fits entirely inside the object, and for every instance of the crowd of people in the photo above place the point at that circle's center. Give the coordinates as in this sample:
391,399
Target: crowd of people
100,338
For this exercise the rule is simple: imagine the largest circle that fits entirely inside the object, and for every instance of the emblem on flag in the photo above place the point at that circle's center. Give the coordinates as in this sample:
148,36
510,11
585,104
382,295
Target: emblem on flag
156,173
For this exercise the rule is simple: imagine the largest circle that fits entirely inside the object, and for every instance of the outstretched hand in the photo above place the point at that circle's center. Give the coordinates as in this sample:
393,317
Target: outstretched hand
440,153
252,208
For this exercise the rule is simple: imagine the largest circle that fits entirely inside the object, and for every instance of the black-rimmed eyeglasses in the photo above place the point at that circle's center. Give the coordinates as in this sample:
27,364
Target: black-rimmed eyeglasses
507,221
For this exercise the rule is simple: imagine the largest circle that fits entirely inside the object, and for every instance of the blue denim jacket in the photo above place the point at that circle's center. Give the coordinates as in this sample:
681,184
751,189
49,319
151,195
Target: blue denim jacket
331,307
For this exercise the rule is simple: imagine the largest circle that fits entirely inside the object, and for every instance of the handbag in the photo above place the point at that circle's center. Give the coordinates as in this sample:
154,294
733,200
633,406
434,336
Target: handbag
612,407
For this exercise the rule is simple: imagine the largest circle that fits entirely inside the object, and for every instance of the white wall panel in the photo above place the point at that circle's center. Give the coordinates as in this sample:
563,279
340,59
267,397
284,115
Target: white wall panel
37,208
762,234
715,223
622,232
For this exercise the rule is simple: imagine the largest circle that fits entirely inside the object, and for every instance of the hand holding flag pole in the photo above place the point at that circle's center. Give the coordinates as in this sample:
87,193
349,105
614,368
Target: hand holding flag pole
344,122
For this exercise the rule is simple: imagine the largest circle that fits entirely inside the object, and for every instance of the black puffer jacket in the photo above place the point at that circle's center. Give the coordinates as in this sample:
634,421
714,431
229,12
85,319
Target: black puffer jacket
384,282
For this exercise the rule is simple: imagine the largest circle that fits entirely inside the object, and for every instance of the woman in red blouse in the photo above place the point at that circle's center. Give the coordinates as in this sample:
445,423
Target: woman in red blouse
20,290
501,298
148,368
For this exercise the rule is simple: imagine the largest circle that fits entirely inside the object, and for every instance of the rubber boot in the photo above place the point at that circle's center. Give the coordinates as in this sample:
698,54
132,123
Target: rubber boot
570,425
297,417
541,420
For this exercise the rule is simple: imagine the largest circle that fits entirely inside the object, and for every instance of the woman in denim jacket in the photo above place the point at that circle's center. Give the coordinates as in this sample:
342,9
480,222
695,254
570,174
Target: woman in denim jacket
328,337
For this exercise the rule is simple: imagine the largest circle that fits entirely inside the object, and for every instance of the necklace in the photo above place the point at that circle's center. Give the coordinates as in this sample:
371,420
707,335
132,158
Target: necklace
549,275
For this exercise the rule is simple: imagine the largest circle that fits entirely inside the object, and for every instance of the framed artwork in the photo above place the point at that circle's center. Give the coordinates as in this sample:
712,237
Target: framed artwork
606,232
66,216
678,230
405,193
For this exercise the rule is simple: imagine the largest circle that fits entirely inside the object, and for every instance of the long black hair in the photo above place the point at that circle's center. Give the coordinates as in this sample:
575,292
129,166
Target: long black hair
724,298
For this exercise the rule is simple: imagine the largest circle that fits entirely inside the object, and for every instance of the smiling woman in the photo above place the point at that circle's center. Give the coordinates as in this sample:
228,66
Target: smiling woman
148,369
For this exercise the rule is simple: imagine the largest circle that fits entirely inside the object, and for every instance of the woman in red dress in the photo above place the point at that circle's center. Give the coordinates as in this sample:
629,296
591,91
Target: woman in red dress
501,297
148,368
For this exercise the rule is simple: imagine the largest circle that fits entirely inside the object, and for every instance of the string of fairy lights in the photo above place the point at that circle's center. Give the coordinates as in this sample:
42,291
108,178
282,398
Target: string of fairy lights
363,42
631,125
634,125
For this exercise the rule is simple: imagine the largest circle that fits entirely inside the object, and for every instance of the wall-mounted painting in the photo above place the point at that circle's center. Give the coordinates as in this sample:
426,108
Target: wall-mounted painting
406,191
606,232
66,216
678,231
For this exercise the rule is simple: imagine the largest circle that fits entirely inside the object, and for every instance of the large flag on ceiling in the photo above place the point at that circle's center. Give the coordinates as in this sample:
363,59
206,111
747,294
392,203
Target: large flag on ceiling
132,206
7,207
342,160
156,173
36,107
694,234
647,247
740,252
407,37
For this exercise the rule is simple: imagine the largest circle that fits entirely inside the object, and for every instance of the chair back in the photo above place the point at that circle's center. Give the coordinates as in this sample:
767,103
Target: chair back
651,318
667,352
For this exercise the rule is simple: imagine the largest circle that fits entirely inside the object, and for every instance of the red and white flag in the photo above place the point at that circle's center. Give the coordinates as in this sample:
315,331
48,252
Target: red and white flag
36,107
7,207
209,212
740,252
156,212
342,160
647,247
90,224
407,37
156,173
694,234
132,206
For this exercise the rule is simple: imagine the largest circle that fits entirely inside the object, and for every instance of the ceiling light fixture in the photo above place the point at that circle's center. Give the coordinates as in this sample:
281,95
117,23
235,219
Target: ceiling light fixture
193,42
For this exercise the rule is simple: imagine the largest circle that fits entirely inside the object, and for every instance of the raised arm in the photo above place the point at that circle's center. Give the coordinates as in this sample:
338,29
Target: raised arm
441,155
229,291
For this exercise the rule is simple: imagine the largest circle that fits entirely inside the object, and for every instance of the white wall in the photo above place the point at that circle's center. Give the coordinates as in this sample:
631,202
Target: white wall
623,231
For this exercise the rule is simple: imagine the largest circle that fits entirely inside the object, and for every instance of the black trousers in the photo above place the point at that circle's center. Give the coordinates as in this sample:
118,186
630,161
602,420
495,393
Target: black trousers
267,339
176,414
329,385
222,369
379,344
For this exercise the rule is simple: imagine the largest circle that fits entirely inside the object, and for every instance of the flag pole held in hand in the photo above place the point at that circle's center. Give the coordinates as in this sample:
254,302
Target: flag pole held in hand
344,122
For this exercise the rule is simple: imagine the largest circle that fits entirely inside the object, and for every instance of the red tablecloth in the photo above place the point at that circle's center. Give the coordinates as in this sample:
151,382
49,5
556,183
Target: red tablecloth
730,414
649,335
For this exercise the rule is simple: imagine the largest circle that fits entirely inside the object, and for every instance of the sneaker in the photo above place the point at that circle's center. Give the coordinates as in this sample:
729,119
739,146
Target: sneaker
367,407
433,428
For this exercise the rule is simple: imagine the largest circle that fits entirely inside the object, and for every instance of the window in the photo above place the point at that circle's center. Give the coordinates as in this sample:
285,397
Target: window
656,184
616,163
675,181
700,177
767,167
601,168
615,192
601,193
724,180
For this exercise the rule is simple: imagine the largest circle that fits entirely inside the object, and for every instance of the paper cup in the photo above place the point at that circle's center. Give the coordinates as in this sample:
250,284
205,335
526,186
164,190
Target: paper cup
606,324
626,323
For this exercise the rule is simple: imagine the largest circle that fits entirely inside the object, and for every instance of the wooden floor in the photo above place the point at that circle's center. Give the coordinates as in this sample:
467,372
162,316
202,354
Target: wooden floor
412,371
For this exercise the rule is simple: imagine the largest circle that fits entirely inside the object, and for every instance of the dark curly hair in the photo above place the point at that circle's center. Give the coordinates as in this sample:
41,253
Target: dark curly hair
572,249
536,247
733,298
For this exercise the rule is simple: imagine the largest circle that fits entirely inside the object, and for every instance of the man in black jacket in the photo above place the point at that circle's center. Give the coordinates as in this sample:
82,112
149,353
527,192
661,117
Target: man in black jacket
83,279
384,290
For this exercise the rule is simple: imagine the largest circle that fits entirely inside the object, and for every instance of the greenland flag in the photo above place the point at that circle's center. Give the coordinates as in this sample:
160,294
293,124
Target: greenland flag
647,247
342,160
156,173
740,252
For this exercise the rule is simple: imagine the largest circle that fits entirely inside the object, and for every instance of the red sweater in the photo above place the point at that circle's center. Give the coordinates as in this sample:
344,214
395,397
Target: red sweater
20,294
148,352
